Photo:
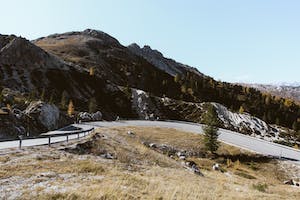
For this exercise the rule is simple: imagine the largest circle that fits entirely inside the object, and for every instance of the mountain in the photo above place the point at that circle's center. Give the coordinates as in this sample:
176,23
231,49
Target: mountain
93,70
291,91
166,64
108,58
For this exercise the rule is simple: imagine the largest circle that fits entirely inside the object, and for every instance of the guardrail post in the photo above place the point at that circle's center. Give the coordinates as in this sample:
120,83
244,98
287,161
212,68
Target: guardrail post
49,141
20,143
67,138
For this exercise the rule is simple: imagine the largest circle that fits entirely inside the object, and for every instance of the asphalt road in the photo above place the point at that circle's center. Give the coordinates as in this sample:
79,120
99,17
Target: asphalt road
233,138
229,137
44,141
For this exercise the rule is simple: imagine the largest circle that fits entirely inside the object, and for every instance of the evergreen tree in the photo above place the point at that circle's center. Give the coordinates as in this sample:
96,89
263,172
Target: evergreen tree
92,105
1,97
295,126
211,129
177,78
92,71
63,102
277,122
241,110
71,108
43,95
51,99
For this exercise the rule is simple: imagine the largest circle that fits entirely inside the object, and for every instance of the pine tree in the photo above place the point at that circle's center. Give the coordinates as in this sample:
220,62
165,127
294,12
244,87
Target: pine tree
211,129
177,78
43,95
1,97
268,99
241,110
63,102
295,126
51,99
92,71
71,108
92,105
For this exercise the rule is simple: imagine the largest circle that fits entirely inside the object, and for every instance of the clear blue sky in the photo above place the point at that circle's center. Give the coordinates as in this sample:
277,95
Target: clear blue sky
231,40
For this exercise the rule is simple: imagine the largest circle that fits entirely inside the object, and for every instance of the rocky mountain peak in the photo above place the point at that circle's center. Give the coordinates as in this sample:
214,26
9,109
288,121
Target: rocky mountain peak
157,59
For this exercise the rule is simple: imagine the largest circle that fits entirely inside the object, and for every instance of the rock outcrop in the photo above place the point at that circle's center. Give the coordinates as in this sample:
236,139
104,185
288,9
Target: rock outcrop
86,117
157,59
47,115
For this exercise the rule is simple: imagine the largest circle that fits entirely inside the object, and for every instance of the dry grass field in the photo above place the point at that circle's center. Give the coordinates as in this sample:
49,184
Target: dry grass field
137,171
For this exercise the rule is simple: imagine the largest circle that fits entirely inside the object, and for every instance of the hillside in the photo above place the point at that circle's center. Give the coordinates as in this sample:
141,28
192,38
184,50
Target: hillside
97,73
136,67
148,163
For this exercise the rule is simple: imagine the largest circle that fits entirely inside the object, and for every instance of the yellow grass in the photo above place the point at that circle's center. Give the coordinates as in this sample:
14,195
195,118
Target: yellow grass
143,173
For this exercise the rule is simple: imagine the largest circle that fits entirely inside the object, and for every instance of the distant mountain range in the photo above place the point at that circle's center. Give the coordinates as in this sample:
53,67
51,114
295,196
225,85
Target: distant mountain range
286,90
96,72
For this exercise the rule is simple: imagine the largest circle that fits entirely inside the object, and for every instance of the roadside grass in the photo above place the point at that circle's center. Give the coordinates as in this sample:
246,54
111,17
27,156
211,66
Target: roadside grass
139,172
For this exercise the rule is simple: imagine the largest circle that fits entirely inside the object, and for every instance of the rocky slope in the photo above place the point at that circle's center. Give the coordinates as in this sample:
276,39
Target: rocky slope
109,60
166,64
153,108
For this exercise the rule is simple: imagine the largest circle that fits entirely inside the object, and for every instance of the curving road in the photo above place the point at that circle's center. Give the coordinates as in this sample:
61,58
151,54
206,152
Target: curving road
233,138
226,136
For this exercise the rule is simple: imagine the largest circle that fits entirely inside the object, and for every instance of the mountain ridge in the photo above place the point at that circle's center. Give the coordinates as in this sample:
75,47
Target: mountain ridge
64,63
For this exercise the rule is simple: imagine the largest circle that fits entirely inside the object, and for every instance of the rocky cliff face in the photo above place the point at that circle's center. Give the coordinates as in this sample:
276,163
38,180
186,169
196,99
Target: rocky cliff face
158,60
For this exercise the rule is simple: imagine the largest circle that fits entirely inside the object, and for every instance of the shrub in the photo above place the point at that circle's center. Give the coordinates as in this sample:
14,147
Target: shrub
262,187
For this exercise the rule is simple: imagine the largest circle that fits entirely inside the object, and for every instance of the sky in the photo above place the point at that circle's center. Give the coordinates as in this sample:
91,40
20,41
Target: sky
253,41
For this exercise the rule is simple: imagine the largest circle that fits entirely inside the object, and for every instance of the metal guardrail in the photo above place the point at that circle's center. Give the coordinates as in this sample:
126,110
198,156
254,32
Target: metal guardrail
52,136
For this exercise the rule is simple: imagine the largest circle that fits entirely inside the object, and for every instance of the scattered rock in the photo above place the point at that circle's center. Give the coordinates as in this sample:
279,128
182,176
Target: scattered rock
130,133
179,154
182,157
152,145
107,156
216,167
292,182
47,175
85,116
192,166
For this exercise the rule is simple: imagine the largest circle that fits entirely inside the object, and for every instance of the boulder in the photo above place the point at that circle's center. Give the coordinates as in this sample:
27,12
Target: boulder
292,182
85,116
192,166
97,116
216,167
45,114
130,133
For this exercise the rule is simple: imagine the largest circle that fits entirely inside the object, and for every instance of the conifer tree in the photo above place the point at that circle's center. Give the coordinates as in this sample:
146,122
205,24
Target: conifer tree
43,95
241,110
211,129
71,108
92,105
63,102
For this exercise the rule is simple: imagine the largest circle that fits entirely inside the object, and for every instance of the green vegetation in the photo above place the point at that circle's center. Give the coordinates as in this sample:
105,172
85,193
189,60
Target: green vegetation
211,129
262,187
92,105
281,111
